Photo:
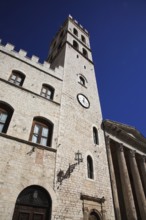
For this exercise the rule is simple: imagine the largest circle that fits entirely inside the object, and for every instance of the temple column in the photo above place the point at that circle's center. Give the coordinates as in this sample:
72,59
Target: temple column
138,185
113,181
126,186
142,166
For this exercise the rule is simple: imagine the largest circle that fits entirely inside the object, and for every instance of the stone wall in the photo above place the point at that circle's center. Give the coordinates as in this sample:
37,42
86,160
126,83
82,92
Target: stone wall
24,163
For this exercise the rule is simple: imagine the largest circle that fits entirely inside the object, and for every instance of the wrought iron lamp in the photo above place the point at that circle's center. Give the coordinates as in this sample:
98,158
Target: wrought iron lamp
78,157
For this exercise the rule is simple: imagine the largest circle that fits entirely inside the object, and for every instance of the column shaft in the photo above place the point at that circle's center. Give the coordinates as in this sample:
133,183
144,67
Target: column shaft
126,186
142,166
138,185
113,181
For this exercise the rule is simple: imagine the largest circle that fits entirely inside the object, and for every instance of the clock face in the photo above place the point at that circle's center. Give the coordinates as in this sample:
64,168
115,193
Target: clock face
83,100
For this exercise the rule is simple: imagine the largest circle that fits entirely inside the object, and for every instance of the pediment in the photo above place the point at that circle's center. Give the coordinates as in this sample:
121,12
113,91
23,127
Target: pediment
124,132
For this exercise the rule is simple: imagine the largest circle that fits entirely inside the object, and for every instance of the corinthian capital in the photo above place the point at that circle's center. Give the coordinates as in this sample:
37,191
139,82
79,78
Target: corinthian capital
121,148
132,153
108,140
142,158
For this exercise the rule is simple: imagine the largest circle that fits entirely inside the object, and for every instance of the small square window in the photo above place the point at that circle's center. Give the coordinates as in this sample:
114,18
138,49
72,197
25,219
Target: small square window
47,91
17,78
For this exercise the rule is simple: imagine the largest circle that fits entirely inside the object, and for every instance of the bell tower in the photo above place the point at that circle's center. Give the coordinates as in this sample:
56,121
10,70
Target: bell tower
83,183
73,34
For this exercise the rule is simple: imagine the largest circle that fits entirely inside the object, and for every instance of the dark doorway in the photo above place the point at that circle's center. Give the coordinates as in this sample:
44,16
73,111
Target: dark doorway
94,216
33,203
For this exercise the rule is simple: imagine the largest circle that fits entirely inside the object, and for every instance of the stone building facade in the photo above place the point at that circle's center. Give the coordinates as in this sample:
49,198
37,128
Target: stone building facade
53,158
58,160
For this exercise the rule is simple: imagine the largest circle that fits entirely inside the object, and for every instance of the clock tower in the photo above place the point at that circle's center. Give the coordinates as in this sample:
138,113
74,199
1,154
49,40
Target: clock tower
82,175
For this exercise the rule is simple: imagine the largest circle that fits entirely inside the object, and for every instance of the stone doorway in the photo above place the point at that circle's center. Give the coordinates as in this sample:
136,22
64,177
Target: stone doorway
33,203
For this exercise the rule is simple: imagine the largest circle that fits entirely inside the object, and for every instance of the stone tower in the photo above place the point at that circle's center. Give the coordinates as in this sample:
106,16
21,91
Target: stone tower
53,154
80,127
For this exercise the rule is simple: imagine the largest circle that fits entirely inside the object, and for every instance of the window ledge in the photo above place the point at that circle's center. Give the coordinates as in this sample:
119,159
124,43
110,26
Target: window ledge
92,180
22,88
82,85
27,142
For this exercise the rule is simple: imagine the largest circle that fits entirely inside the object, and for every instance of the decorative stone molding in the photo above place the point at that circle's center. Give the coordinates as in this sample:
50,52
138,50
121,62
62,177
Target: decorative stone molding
141,158
93,205
108,141
91,198
121,148
132,153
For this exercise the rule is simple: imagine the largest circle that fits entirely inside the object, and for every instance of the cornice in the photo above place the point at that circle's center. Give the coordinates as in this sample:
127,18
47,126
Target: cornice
135,139
91,198
27,142
64,43
26,90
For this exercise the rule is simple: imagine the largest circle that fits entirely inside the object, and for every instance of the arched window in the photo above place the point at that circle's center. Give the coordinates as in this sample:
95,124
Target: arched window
47,91
17,78
83,39
6,112
34,202
90,168
82,81
75,32
41,131
75,45
94,216
95,136
85,53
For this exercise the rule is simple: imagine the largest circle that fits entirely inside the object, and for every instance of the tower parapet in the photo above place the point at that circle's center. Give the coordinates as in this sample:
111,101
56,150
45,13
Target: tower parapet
33,61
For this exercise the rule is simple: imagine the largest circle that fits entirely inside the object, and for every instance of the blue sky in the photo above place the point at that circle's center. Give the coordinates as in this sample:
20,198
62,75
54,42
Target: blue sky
118,41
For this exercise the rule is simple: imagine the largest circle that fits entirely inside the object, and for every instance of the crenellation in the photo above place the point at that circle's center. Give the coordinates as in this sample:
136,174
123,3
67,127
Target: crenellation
22,53
70,16
86,31
46,64
9,47
76,21
35,58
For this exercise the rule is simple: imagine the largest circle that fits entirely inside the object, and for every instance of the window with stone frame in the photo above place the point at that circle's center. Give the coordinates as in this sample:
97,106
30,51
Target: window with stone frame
82,81
75,45
17,78
41,131
90,172
83,39
85,53
47,91
75,31
6,112
95,136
